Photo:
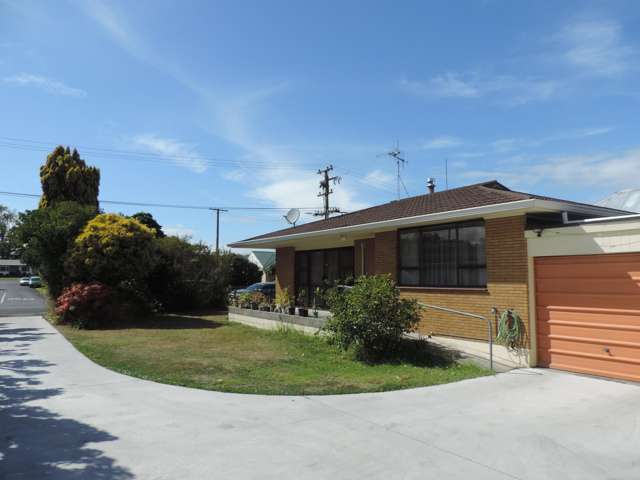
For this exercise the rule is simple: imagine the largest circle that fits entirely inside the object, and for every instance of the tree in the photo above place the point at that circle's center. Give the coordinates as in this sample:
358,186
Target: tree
111,249
243,272
66,177
44,236
7,220
147,219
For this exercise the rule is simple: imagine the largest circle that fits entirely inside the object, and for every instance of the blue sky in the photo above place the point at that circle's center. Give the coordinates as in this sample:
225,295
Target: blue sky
239,103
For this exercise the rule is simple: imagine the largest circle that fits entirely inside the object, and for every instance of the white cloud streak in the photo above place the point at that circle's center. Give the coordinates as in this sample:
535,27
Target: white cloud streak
441,142
617,170
596,46
506,90
505,145
46,84
181,154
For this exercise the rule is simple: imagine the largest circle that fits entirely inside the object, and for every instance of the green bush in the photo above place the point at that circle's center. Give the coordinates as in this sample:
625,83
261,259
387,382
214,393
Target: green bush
189,276
370,317
243,272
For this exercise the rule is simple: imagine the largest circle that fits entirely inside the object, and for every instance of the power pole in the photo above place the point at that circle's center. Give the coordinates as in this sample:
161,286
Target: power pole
325,191
218,210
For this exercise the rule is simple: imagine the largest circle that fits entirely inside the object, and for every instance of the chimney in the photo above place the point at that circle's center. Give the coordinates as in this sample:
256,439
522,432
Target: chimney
431,184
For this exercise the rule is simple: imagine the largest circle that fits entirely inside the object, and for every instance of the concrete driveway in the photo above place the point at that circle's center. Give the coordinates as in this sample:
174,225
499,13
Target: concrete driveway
64,417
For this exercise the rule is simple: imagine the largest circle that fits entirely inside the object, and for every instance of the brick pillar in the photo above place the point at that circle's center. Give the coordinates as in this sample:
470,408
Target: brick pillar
386,253
285,269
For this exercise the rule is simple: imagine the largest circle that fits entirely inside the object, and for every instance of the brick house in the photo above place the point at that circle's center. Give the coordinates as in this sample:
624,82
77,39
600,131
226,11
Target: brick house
463,248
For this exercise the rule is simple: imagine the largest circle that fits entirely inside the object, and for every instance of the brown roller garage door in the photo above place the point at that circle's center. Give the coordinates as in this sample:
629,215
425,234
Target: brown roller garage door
588,314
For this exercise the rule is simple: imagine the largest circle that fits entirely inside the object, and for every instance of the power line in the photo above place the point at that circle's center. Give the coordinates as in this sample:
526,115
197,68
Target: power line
166,205
41,146
171,160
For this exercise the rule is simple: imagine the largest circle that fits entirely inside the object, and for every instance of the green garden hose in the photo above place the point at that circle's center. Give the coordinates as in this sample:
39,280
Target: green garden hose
510,329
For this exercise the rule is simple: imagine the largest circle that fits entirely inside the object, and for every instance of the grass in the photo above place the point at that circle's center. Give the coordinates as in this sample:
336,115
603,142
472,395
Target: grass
211,353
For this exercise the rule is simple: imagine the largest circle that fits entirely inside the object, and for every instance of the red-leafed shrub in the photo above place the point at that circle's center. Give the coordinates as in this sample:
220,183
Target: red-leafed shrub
85,305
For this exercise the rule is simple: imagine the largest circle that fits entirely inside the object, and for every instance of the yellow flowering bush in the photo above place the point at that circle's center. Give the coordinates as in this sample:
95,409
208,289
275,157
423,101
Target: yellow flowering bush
112,249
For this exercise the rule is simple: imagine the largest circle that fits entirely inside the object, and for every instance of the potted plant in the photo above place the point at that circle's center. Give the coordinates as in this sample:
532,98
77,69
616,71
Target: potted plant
244,300
257,298
284,303
317,298
303,311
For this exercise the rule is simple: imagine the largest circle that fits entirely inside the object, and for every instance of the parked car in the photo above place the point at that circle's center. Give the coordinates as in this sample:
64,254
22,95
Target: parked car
35,282
24,281
268,289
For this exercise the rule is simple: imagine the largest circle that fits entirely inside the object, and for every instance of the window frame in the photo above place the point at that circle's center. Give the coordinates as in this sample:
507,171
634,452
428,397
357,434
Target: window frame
421,268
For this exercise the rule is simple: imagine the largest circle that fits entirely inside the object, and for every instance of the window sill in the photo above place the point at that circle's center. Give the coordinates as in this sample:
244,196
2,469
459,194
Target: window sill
445,289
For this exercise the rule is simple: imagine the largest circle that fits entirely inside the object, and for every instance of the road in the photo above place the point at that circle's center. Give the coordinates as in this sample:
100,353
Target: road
17,300
62,417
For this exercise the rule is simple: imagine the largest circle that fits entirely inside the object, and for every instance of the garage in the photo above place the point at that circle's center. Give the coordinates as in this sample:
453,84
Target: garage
587,304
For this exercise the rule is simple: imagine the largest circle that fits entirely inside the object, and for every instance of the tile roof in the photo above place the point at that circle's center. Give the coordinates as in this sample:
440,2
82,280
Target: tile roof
477,195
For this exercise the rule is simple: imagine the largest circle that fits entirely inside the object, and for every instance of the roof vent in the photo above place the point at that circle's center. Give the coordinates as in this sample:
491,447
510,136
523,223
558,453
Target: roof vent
431,184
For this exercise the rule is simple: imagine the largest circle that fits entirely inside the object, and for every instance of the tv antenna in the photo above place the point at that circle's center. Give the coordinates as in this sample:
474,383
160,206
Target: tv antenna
292,216
396,154
325,191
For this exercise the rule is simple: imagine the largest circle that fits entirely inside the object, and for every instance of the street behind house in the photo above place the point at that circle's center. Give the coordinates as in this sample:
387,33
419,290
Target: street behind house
65,417
17,300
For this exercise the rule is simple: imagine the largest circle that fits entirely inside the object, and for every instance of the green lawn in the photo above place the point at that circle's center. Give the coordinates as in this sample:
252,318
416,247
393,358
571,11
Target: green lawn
214,354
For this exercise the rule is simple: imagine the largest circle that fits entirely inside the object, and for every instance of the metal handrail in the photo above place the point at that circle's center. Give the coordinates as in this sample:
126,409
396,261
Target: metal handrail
472,315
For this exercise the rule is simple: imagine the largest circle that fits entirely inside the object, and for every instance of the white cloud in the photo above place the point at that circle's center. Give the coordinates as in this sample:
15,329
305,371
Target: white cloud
441,142
612,170
379,178
505,145
596,47
449,84
178,230
46,84
506,90
235,175
303,191
181,154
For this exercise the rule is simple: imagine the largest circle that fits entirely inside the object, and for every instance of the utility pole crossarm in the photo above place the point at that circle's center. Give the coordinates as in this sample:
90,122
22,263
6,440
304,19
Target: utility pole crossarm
325,191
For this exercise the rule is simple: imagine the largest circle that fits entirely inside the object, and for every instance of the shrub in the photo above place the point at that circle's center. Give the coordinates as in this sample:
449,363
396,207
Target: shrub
85,305
189,276
112,249
371,317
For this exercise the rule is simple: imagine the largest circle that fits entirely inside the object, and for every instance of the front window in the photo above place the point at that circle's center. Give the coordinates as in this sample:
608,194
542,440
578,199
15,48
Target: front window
443,256
322,269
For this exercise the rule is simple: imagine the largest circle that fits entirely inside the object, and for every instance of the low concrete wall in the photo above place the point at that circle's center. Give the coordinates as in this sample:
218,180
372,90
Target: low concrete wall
274,320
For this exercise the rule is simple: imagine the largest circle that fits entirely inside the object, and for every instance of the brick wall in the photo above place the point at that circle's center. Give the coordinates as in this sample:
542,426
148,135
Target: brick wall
364,256
506,250
506,286
285,269
386,252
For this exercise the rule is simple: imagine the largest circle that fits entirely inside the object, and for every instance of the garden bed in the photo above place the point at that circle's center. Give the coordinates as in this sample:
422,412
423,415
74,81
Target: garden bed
212,353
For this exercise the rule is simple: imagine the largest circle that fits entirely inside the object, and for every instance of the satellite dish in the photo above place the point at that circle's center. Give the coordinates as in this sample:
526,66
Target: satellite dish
292,216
